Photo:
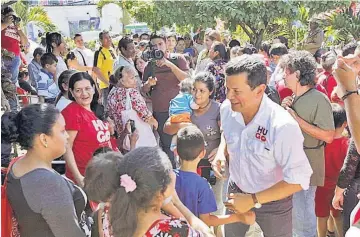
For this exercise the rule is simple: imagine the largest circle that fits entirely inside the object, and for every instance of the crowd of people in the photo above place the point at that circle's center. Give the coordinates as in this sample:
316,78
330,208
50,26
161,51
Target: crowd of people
168,135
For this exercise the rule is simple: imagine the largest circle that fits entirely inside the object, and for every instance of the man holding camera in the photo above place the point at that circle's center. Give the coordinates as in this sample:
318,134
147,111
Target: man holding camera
161,78
12,36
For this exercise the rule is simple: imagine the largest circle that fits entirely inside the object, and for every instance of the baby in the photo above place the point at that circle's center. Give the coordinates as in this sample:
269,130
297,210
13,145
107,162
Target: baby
181,106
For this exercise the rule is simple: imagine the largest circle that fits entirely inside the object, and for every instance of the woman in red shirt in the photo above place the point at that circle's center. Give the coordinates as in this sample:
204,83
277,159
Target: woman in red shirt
86,131
326,79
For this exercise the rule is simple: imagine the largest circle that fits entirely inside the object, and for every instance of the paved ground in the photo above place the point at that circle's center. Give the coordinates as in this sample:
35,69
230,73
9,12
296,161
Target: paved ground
254,231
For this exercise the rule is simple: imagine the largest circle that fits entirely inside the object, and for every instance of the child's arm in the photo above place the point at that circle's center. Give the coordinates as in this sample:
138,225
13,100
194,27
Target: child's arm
216,220
172,210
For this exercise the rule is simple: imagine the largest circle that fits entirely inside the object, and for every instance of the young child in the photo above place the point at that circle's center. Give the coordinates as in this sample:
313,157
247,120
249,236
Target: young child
335,154
48,89
181,106
193,190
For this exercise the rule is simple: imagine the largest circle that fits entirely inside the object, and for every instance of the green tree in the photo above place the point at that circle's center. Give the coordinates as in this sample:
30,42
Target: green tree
36,15
343,25
254,17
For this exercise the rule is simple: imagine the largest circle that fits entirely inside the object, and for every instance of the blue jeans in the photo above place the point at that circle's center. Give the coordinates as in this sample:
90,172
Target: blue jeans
304,218
14,69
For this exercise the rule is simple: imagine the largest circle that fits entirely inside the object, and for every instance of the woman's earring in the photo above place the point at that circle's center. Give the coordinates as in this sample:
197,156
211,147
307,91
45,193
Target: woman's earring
46,145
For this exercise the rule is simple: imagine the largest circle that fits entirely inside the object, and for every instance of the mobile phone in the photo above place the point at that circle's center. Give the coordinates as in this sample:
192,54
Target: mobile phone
132,125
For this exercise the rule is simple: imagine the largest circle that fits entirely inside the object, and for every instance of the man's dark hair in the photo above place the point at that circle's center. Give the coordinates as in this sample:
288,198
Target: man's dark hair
248,49
190,143
339,115
278,49
283,40
123,43
38,51
253,65
180,39
143,34
102,33
221,49
135,36
301,61
158,36
349,49
48,58
234,43
265,46
77,35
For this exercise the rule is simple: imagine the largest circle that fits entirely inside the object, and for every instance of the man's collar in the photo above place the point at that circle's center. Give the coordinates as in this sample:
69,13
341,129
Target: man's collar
47,73
260,117
83,48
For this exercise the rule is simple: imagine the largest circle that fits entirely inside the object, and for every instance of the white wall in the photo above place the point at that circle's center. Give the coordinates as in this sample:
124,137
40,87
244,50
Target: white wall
111,15
61,15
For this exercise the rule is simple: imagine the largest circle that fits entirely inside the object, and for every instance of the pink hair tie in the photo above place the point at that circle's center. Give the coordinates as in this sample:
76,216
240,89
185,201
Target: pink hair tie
128,183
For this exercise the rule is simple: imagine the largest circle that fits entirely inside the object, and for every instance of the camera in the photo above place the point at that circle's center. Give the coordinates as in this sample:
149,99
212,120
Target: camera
152,53
132,125
16,19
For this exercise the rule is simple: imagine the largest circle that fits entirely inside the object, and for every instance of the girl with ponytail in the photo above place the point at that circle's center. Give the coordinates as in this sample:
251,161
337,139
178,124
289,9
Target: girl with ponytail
136,186
55,44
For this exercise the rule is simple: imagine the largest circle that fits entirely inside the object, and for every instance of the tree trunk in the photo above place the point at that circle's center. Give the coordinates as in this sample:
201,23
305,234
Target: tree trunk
258,39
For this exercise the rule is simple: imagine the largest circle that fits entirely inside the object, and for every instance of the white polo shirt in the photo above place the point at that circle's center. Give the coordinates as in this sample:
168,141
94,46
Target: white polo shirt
267,150
84,55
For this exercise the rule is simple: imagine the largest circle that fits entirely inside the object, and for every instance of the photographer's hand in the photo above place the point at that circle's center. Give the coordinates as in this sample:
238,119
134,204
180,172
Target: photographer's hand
164,62
23,38
180,74
151,81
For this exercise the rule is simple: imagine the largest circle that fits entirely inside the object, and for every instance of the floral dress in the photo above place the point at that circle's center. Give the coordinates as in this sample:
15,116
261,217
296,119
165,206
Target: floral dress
117,104
217,68
172,227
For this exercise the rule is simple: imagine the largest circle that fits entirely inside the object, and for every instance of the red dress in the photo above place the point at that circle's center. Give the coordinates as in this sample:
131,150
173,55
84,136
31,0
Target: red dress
171,227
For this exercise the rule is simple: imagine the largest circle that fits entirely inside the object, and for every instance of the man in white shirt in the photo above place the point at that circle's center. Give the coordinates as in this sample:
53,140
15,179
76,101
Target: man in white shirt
265,145
84,56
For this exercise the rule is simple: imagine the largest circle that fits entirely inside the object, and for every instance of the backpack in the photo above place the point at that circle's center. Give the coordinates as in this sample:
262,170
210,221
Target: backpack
9,224
96,55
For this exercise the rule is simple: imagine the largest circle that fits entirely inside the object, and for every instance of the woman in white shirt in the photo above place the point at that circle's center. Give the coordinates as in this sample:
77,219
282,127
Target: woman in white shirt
56,45
62,100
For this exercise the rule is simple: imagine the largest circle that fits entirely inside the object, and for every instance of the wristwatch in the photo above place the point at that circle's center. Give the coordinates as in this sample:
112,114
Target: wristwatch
257,204
348,93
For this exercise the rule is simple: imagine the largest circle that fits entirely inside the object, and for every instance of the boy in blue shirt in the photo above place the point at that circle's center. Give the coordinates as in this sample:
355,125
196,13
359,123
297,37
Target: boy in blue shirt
47,87
193,190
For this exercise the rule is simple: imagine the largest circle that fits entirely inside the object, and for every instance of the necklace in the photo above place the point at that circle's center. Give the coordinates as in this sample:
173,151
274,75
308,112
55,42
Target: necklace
205,105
